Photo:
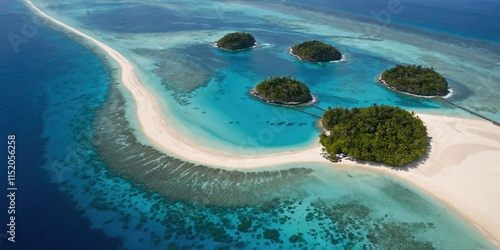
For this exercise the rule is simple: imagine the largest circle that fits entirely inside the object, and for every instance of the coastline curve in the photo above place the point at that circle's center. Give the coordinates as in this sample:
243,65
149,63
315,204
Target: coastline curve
157,129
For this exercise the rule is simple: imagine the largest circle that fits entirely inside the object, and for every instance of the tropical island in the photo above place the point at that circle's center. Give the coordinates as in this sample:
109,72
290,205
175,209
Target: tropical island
236,41
316,51
282,90
415,80
383,134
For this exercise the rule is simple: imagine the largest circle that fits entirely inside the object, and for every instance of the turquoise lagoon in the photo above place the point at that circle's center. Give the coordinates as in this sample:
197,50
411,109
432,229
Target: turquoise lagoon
206,89
129,190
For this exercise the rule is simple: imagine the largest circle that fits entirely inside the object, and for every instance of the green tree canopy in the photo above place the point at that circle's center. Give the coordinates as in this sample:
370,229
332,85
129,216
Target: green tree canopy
383,134
416,80
316,51
236,40
283,90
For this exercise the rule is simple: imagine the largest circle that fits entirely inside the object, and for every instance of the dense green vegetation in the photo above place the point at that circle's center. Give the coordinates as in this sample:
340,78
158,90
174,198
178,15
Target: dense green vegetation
379,133
236,40
284,90
316,51
416,80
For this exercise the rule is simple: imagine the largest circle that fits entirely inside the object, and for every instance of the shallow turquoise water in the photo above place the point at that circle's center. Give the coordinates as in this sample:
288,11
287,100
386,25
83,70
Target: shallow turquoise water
225,109
207,89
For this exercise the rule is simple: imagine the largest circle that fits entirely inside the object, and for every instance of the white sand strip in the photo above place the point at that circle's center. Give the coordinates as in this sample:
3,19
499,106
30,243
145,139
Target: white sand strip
156,126
463,168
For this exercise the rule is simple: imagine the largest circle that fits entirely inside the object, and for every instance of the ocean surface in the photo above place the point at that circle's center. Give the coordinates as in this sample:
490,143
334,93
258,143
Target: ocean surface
88,178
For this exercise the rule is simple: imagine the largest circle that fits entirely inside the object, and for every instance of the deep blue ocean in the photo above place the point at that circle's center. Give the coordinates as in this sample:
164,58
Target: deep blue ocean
56,96
45,217
474,19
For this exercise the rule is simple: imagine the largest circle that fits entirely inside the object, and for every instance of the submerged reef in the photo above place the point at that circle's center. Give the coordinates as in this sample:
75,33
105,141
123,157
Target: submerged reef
177,179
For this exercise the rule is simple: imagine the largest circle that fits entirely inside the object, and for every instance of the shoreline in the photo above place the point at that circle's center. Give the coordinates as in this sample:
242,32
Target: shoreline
458,170
255,45
463,177
156,126
380,80
443,98
254,93
342,59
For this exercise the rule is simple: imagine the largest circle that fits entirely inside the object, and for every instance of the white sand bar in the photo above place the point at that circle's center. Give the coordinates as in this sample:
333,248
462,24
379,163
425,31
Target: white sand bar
156,126
463,168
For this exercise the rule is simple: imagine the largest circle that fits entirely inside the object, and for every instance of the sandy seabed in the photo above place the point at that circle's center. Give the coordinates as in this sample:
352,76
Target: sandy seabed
462,168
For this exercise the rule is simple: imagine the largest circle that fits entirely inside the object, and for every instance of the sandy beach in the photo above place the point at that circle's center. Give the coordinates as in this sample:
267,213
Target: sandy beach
462,168
156,125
